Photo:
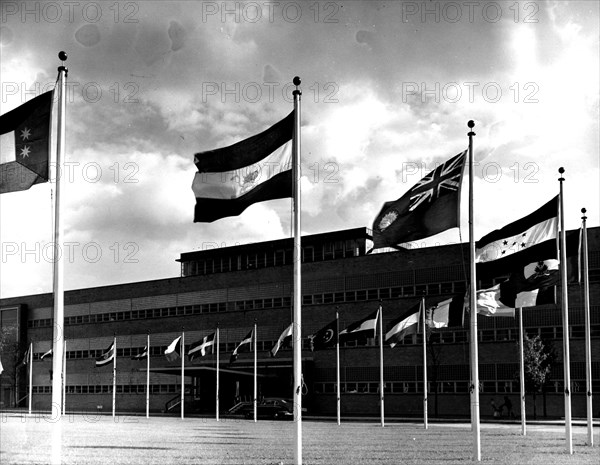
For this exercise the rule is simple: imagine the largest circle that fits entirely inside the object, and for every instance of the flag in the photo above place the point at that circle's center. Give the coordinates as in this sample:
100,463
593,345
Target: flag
532,285
143,355
241,346
201,346
107,356
407,323
256,169
447,313
25,360
324,338
24,144
539,226
47,354
430,207
284,339
1,367
367,327
173,352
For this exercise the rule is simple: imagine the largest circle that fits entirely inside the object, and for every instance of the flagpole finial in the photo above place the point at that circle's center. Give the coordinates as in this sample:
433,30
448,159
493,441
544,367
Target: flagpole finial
561,170
583,210
297,82
62,56
471,125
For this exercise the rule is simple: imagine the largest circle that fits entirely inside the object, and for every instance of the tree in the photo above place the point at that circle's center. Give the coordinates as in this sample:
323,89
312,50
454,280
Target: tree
9,349
538,360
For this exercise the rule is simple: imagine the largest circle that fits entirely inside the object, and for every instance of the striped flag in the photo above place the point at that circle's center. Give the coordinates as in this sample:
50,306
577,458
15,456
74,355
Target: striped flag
447,313
257,169
25,360
535,228
201,346
241,346
406,324
141,355
367,327
284,339
107,356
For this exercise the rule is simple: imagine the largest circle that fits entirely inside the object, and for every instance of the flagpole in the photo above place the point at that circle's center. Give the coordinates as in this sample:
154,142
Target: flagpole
423,322
30,362
58,264
565,315
255,387
182,349
473,309
148,375
522,373
297,337
217,391
337,365
114,393
381,408
64,378
588,341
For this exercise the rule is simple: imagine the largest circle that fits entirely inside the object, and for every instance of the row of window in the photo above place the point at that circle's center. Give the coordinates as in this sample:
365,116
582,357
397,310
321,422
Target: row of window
437,337
259,304
445,387
271,258
107,389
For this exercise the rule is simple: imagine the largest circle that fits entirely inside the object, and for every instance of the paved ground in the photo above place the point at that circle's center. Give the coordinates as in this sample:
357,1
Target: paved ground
81,440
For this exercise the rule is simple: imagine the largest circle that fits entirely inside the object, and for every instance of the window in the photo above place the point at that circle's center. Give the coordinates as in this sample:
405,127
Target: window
307,300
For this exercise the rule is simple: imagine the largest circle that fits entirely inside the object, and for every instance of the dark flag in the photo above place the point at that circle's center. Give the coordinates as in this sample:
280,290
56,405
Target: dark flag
367,327
430,207
325,337
256,169
201,346
25,140
285,339
406,324
244,345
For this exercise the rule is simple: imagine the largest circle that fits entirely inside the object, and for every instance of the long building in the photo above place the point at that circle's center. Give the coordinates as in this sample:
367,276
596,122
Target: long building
238,287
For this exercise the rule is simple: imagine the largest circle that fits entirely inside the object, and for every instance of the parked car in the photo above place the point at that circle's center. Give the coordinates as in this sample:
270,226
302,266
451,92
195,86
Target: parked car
274,408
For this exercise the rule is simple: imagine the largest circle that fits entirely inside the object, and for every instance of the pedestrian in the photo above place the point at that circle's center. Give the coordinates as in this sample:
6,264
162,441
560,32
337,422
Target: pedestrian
495,409
508,404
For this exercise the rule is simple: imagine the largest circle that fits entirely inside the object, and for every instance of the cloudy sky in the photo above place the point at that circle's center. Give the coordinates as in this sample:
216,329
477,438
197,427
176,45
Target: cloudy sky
388,88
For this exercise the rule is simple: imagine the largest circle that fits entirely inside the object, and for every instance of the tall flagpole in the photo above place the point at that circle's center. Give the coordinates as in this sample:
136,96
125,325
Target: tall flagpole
473,308
337,369
64,378
423,322
297,333
58,264
588,341
30,363
255,387
217,389
182,349
114,393
381,389
565,315
148,375
522,373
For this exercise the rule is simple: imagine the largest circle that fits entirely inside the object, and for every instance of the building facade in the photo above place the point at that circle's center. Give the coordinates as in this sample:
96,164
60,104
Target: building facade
238,287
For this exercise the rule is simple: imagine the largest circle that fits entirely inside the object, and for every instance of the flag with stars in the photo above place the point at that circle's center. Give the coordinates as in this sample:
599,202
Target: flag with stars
430,207
24,144
539,226
256,169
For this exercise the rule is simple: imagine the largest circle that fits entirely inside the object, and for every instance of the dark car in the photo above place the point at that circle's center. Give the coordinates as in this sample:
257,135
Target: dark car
272,408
